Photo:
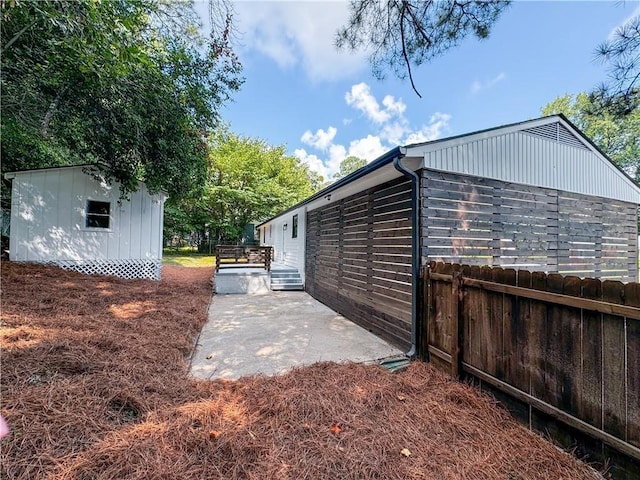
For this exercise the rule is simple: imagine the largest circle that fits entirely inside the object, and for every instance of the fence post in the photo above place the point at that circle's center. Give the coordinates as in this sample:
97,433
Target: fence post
456,324
426,313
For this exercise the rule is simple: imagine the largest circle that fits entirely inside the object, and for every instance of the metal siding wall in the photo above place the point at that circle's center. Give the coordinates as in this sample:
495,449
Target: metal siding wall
287,250
48,220
523,158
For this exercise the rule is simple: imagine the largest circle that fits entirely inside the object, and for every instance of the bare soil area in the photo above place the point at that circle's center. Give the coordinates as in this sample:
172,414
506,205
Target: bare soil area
94,385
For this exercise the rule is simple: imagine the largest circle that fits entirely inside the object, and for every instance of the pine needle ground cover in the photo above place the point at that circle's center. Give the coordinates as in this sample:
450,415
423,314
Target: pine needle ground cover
94,385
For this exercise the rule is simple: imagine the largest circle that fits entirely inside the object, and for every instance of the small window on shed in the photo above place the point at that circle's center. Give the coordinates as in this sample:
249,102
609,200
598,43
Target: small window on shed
264,235
294,230
98,214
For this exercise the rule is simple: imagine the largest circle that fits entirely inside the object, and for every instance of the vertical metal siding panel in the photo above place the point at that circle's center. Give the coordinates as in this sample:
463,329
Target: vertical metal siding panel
124,230
45,217
116,214
473,153
64,223
76,189
145,223
500,159
111,238
302,242
513,155
18,225
533,170
463,154
135,211
156,228
555,149
160,225
83,193
486,143
28,198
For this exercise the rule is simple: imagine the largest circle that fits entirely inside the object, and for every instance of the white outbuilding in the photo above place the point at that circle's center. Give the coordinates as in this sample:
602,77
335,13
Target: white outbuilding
73,218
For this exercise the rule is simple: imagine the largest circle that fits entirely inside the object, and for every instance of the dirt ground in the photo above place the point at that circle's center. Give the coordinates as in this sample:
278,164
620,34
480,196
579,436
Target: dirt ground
94,386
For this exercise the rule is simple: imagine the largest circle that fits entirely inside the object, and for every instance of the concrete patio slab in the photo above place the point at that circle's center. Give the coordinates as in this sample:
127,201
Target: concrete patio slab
270,334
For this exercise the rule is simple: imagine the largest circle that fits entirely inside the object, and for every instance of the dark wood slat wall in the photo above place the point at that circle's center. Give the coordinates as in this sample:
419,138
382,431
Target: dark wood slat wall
358,259
480,221
542,355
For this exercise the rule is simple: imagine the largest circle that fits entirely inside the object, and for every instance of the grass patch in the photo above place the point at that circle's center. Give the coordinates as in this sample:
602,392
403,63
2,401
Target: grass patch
186,257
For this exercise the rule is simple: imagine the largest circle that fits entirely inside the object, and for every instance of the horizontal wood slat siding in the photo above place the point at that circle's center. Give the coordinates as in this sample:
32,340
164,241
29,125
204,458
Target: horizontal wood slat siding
562,352
358,259
481,221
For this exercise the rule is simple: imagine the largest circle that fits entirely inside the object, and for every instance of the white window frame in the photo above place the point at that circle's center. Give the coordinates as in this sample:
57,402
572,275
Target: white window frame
87,215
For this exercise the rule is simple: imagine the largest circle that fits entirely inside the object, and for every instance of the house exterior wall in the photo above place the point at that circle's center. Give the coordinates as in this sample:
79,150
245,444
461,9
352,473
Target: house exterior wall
48,224
359,259
547,155
288,250
480,221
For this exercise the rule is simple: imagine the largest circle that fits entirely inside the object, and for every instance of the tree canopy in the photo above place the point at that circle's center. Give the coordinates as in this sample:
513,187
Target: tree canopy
399,33
617,136
348,165
127,86
247,181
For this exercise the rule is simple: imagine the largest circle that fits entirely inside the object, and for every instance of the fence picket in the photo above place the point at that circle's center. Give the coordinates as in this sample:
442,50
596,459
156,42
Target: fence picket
567,347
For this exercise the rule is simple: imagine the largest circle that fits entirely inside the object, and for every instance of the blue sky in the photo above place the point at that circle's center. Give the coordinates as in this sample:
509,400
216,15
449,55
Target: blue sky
324,105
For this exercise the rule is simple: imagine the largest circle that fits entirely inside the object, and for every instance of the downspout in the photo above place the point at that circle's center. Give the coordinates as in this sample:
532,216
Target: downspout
415,248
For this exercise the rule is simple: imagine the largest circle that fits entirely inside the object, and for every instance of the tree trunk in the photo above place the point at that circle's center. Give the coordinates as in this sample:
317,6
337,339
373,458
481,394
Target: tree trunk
53,106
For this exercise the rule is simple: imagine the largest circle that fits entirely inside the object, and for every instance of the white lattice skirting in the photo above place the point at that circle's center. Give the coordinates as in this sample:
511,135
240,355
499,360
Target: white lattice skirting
120,268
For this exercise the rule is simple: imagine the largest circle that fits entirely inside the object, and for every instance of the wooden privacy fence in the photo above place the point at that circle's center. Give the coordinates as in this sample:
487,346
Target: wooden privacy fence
243,256
563,352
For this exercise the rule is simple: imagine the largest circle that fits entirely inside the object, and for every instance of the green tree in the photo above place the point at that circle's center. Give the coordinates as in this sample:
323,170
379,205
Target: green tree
127,86
400,34
618,137
349,165
247,181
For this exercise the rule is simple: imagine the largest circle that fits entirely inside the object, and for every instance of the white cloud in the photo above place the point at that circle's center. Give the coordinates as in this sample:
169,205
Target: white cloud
369,148
312,161
393,106
477,85
301,33
321,139
392,127
438,124
337,153
361,98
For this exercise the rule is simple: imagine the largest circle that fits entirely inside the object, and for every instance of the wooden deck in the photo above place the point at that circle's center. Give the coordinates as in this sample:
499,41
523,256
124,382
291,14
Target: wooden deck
238,256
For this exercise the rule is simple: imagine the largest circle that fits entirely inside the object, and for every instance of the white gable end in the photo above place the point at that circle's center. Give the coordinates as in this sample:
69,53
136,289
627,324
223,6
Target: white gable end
545,153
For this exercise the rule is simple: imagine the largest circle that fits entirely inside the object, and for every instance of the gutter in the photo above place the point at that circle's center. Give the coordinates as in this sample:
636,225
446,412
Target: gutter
415,247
